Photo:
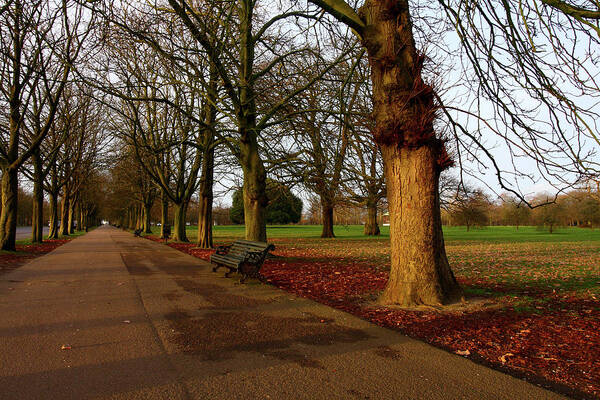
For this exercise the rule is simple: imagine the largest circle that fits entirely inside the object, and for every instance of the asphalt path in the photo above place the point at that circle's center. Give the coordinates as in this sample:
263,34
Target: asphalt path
110,316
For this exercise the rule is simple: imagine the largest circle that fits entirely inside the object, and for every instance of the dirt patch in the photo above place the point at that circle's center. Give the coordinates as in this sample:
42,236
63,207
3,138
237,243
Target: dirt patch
219,296
219,335
387,352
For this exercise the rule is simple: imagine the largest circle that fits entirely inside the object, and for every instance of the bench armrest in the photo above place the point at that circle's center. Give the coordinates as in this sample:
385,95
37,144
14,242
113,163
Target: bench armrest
254,257
223,250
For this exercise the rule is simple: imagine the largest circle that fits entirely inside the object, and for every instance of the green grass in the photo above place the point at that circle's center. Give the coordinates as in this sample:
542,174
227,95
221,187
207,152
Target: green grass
452,235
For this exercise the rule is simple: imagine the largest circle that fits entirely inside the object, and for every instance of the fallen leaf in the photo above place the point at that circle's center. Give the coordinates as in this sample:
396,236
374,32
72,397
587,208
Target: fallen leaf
503,357
463,352
127,321
65,347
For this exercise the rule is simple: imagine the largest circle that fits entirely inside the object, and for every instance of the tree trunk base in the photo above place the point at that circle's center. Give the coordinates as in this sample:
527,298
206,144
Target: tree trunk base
410,294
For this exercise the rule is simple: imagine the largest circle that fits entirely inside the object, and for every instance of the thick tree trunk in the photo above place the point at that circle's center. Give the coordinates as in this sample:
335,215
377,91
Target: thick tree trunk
404,109
139,217
131,218
179,222
254,191
53,232
420,273
37,222
71,225
80,217
64,215
147,210
164,213
8,215
205,220
327,213
371,225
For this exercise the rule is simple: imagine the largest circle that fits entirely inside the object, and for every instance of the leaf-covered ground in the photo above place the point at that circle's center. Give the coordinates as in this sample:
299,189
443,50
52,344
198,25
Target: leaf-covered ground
10,260
533,308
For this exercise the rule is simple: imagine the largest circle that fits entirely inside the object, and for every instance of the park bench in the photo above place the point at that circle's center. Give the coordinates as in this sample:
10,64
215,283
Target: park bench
137,232
243,256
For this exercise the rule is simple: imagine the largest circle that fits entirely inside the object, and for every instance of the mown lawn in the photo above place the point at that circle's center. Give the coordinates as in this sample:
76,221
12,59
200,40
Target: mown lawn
533,298
495,234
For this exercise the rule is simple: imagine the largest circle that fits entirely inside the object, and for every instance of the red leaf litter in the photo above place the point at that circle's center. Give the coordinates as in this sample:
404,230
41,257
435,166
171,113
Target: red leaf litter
12,260
554,340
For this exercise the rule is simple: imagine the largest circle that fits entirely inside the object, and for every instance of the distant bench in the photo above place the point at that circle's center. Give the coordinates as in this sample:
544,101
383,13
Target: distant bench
243,256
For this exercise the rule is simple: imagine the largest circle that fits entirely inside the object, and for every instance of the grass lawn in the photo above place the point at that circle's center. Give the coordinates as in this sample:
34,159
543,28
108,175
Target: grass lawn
533,298
496,234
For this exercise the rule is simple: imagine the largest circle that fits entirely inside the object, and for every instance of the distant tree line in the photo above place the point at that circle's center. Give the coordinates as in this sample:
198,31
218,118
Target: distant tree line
475,208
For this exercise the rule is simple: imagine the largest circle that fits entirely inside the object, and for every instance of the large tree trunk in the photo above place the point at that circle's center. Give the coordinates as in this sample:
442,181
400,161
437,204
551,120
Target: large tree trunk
53,232
205,220
420,273
164,213
131,218
254,191
139,217
179,222
8,215
147,209
72,218
404,110
371,225
64,214
327,213
80,217
37,221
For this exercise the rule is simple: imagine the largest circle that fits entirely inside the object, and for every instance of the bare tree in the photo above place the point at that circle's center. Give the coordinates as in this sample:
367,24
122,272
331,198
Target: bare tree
503,54
40,42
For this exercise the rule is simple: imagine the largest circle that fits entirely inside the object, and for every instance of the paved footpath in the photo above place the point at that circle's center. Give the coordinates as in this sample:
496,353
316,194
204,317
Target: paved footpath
145,321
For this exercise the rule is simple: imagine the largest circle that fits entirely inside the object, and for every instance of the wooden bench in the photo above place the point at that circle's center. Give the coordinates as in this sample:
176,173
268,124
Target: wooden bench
243,256
137,232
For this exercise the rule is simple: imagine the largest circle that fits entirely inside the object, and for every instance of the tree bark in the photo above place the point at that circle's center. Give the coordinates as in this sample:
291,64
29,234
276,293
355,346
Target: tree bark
205,200
139,217
179,223
420,273
71,225
64,214
371,225
404,110
327,213
8,215
147,209
130,218
37,222
164,213
254,191
80,217
53,232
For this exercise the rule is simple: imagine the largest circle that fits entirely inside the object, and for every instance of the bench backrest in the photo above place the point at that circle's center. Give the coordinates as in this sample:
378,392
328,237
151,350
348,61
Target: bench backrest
240,247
